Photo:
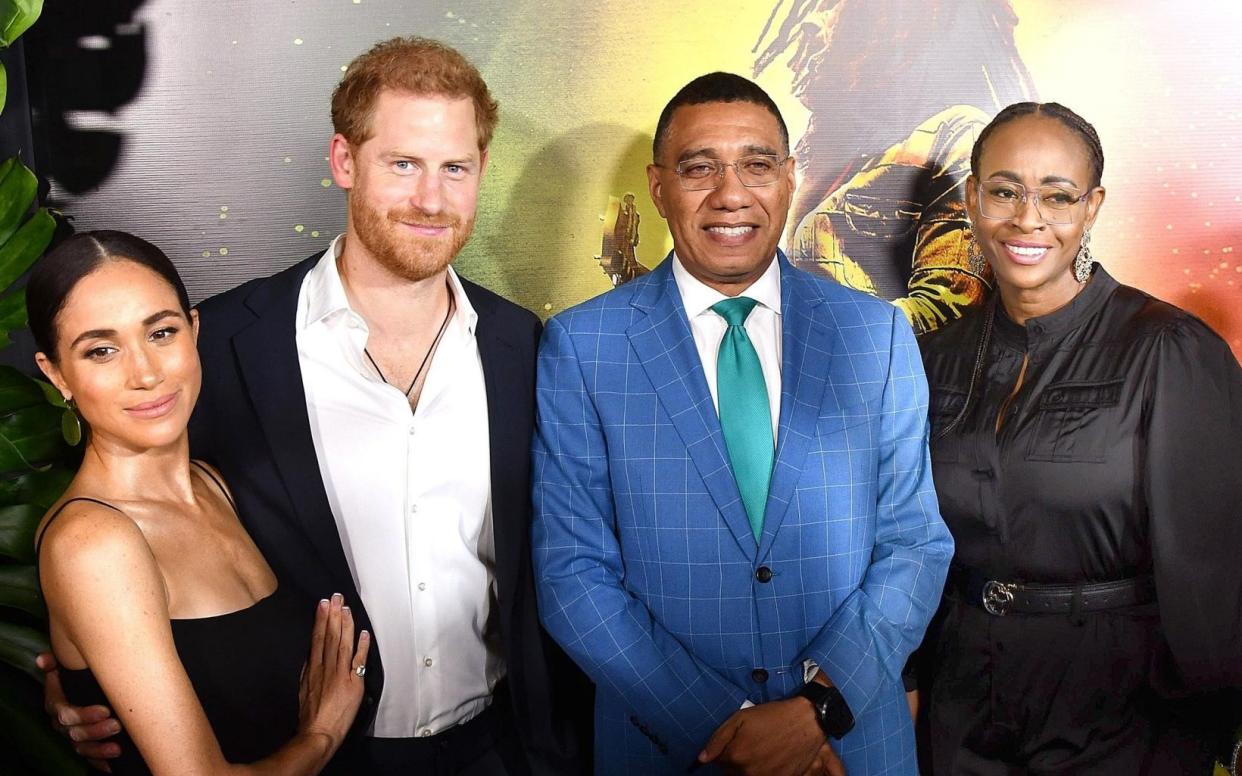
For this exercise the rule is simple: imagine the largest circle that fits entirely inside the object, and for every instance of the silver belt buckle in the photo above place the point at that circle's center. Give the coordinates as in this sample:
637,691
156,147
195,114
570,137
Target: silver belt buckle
997,596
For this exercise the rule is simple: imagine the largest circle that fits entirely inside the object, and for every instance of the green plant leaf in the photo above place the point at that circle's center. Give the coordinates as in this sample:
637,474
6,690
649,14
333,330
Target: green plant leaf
40,488
17,391
13,310
51,393
18,646
31,437
4,85
17,531
19,589
27,733
16,16
18,187
26,245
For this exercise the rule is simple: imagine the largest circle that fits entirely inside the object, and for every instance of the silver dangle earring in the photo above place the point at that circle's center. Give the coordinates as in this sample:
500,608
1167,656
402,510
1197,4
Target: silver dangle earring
1083,261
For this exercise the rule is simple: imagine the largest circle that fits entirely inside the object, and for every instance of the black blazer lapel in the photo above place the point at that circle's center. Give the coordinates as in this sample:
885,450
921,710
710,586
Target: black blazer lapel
267,359
508,357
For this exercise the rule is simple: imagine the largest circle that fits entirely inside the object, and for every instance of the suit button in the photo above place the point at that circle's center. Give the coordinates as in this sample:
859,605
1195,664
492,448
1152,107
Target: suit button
760,675
763,574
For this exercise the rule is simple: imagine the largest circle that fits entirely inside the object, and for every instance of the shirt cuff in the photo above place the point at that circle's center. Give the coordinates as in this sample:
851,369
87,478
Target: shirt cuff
809,669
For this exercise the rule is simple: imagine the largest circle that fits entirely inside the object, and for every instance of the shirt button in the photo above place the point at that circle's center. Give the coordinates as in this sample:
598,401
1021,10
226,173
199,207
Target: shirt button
411,431
763,574
414,508
760,675
422,585
426,732
427,662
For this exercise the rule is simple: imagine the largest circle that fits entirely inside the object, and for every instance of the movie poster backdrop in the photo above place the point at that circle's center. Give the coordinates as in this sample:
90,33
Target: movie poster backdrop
204,127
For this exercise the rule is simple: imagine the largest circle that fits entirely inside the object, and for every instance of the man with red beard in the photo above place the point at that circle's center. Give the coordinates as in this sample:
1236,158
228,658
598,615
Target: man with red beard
372,412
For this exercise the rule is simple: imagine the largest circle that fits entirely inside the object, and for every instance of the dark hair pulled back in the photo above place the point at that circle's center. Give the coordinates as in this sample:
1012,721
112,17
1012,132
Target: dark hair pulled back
1053,110
56,275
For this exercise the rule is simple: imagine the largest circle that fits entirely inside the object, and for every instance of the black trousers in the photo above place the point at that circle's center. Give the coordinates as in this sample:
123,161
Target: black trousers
487,745
1044,694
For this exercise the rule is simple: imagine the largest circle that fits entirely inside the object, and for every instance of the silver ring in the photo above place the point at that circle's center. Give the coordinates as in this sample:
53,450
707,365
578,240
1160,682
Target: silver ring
361,671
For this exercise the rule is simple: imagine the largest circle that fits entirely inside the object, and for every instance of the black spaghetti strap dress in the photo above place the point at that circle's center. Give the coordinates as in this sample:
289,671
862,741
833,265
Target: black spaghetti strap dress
244,665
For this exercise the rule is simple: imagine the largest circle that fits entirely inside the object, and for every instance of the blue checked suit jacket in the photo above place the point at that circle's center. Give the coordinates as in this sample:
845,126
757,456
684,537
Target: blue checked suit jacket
647,571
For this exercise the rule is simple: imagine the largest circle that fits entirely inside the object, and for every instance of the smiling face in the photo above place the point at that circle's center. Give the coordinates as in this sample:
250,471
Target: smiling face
413,183
125,353
1033,261
725,237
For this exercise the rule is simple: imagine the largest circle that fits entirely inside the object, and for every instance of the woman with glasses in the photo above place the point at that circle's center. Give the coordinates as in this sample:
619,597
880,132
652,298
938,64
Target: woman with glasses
1086,440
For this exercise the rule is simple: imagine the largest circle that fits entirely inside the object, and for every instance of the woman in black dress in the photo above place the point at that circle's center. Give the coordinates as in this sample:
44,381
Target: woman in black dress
1086,444
160,605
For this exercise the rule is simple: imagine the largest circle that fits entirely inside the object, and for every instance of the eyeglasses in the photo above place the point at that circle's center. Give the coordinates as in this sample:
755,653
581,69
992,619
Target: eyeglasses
1001,200
755,170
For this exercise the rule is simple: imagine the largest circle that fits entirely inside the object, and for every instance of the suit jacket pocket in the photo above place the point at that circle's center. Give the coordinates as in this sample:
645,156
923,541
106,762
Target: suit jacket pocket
1072,421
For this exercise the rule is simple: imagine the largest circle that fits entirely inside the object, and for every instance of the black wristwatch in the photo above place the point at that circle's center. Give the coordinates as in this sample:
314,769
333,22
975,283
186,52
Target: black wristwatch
831,711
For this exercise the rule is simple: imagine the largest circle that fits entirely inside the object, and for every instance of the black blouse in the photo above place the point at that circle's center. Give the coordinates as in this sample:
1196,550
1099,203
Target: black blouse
1120,456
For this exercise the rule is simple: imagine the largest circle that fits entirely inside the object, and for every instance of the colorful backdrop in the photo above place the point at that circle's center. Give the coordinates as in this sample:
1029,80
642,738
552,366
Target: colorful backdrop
204,127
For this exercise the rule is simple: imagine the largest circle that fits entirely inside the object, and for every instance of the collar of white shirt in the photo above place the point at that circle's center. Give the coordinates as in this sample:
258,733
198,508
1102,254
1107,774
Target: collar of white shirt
698,297
328,304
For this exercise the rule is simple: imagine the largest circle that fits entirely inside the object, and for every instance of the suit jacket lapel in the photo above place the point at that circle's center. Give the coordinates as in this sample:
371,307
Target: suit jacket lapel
807,341
267,356
666,350
501,377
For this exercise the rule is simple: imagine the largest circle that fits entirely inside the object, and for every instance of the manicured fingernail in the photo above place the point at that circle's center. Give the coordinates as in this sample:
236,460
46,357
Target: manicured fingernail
113,727
337,598
323,603
344,608
364,635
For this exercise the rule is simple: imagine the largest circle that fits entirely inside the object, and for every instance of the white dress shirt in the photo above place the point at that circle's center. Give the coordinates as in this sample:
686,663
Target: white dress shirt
411,494
763,326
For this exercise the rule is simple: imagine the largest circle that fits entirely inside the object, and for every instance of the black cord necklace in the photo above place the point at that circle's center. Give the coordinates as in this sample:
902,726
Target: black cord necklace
434,343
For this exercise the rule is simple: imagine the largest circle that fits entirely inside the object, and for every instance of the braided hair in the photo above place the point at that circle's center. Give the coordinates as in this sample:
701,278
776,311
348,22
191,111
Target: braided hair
1071,120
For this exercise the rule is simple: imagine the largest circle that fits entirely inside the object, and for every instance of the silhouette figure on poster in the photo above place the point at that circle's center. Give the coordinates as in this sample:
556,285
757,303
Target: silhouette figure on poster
897,91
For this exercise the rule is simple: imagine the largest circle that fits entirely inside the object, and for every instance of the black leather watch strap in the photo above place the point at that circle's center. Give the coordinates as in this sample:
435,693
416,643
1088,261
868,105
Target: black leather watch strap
831,711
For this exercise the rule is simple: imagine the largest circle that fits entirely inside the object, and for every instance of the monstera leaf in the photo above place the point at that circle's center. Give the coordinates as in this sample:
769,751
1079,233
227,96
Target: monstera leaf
16,16
35,467
22,240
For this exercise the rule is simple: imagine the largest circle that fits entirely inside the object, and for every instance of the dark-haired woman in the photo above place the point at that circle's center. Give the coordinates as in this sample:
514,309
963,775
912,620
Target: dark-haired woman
1086,448
160,606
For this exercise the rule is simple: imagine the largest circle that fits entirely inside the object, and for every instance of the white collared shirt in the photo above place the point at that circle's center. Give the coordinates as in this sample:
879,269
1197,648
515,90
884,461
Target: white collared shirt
763,326
411,495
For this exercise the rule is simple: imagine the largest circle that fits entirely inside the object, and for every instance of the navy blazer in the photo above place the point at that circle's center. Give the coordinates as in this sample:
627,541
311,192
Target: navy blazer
251,422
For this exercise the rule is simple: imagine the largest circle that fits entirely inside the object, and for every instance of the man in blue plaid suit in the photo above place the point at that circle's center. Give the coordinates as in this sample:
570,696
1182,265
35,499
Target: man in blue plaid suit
753,635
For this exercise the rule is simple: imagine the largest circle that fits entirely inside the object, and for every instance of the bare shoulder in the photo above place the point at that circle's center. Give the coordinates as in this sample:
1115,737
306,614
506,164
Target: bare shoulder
88,537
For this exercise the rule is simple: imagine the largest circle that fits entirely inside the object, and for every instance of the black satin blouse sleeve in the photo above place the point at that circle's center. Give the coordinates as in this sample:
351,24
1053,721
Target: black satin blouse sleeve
1192,480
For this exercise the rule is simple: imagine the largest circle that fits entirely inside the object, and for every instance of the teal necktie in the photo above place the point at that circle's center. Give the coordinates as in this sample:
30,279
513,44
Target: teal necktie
745,415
